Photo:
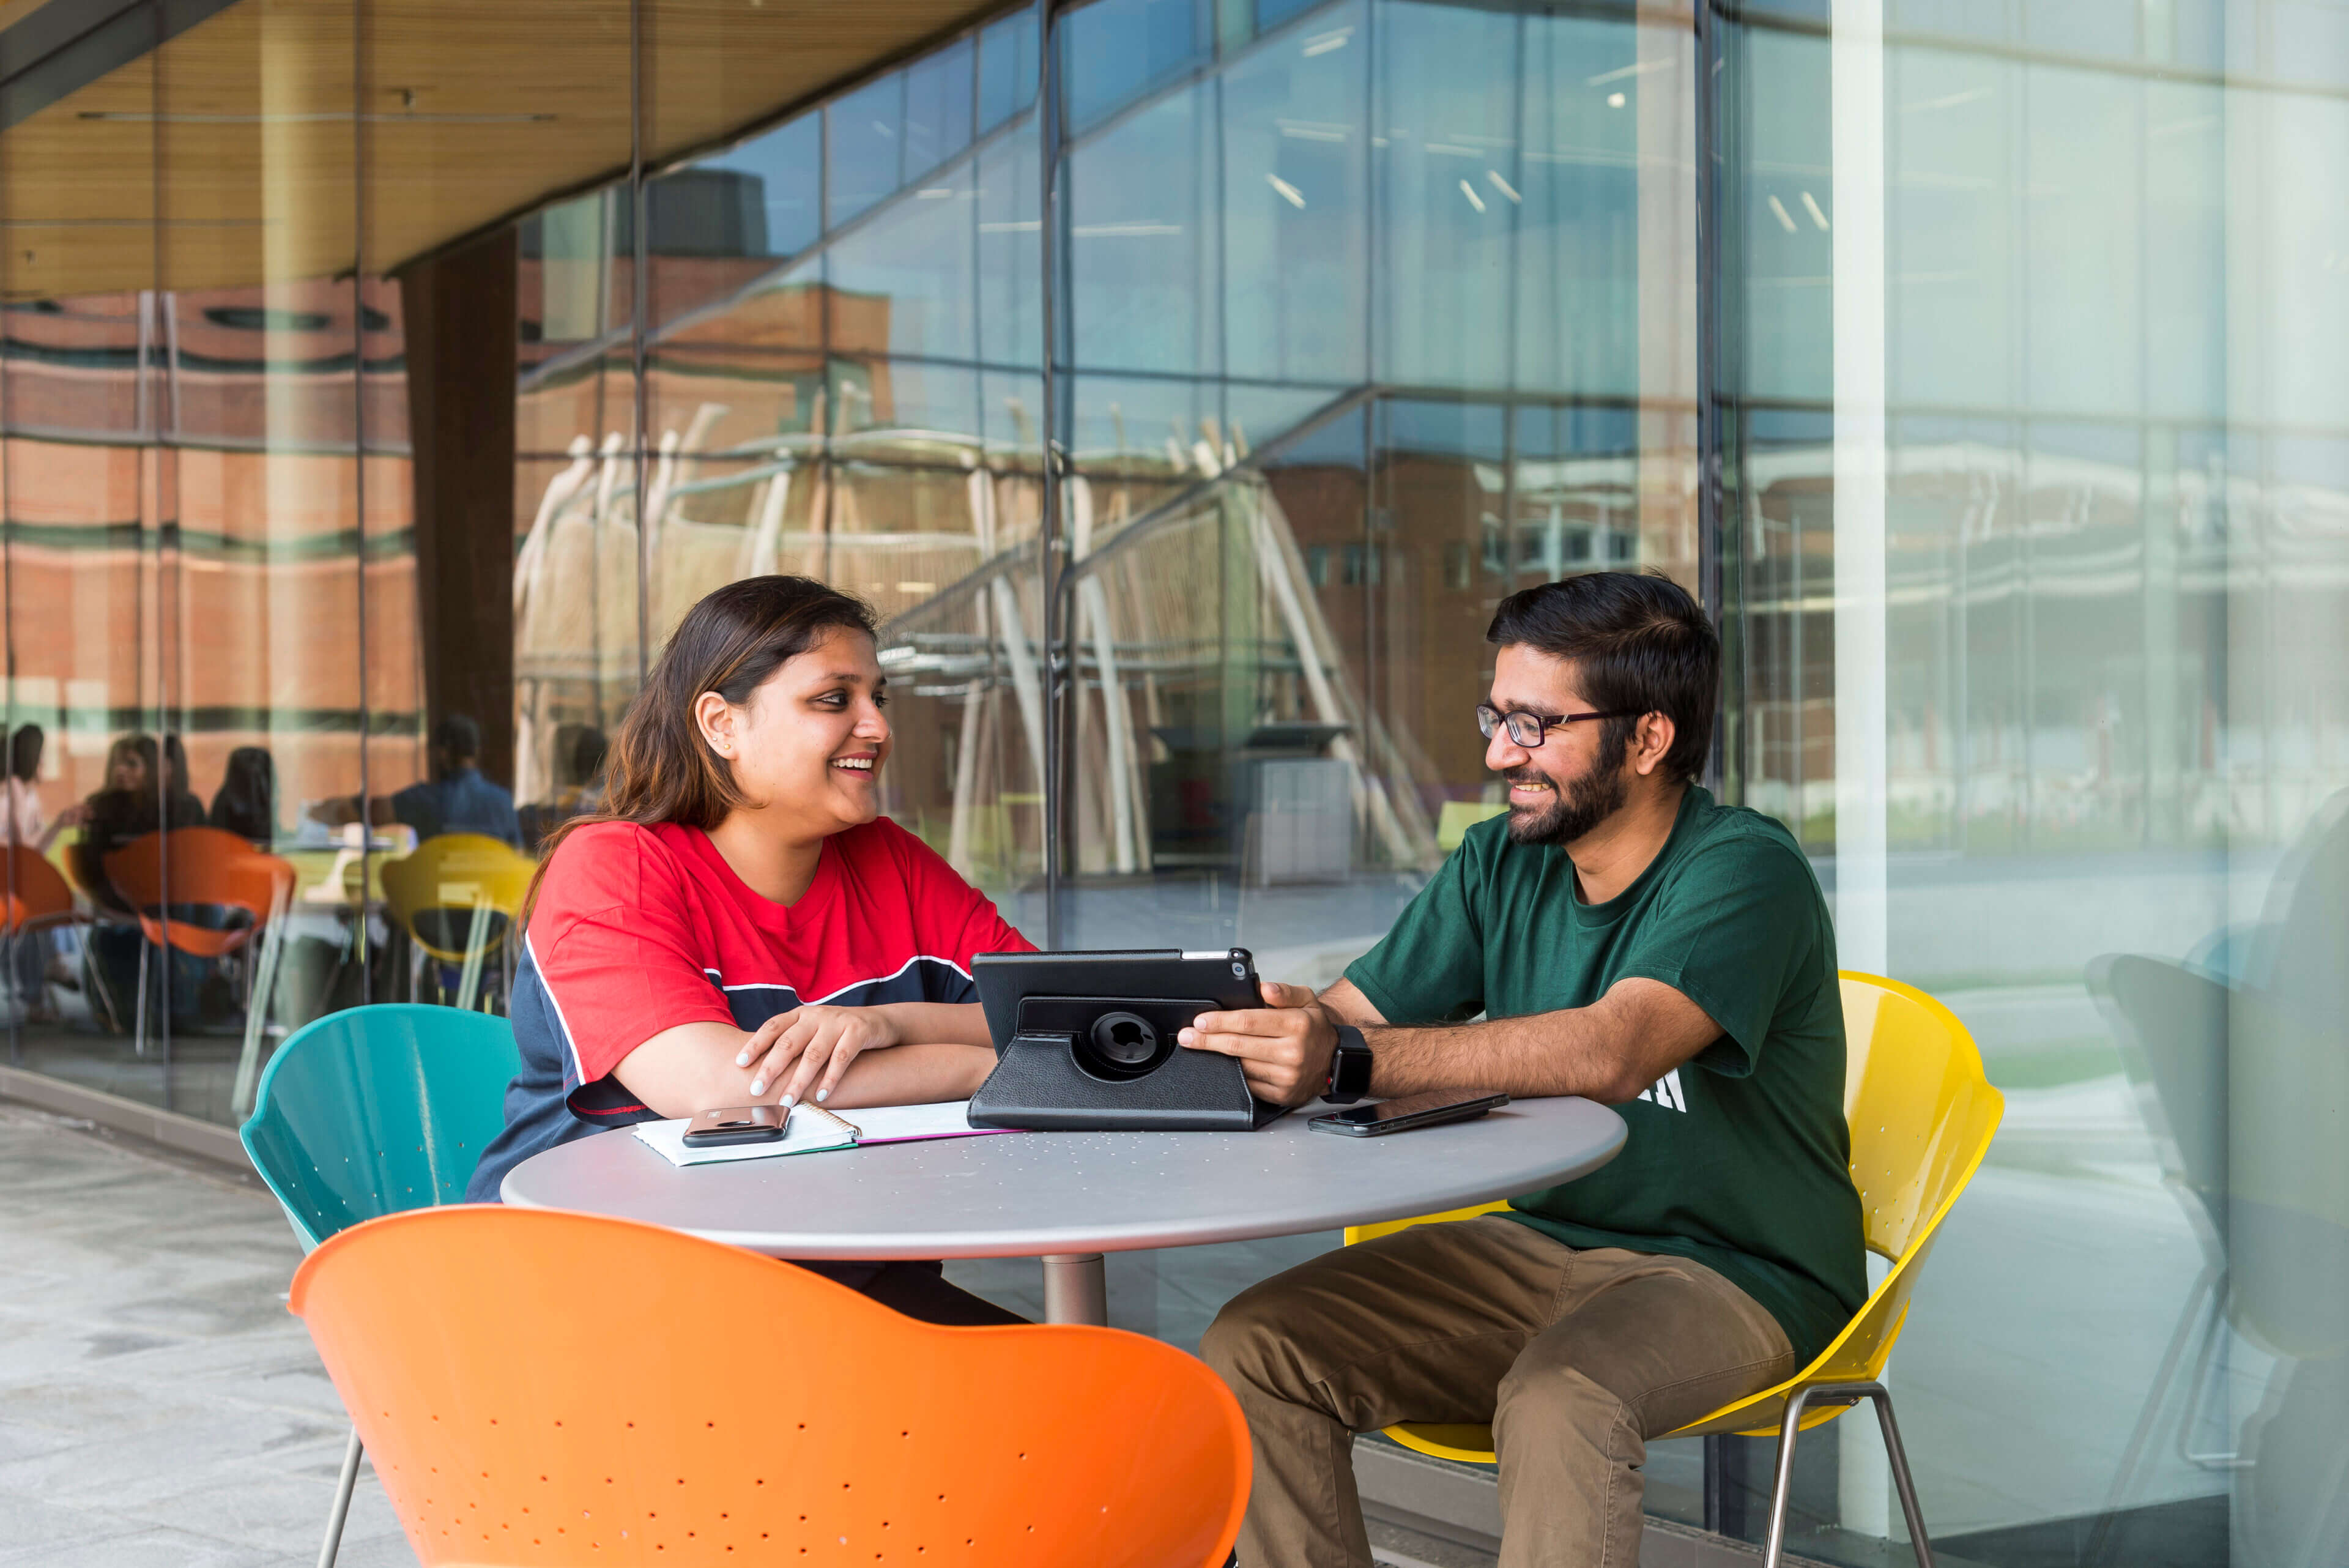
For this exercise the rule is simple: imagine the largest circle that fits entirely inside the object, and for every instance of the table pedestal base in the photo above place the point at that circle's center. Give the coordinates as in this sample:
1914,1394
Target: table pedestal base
1076,1288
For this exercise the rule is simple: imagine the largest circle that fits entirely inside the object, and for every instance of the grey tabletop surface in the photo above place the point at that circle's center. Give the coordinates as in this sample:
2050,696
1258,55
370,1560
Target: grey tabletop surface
1039,1193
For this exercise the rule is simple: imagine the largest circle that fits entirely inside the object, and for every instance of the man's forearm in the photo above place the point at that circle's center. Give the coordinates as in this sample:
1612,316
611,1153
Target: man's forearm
1608,1051
1528,1057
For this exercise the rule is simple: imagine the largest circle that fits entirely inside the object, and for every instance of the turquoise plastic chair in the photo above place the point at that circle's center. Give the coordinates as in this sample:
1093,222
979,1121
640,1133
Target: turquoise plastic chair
372,1111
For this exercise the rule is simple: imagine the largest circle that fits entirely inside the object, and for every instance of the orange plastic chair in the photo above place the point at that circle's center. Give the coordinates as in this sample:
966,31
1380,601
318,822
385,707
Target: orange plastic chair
1921,1114
189,887
572,1391
34,896
36,892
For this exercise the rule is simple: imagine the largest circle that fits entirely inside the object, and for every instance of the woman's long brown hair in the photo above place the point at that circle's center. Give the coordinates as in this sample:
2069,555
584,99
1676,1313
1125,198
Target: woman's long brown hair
659,769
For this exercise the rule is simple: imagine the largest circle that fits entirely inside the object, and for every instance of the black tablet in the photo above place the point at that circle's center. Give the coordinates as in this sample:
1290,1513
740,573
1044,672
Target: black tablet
1088,1041
1218,980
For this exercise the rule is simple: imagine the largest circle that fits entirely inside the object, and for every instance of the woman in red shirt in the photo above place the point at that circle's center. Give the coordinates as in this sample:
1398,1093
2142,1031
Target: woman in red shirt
741,925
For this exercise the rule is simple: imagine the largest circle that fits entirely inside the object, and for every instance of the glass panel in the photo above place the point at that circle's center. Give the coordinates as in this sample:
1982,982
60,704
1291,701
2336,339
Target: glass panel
1142,268
1010,265
786,165
865,135
938,106
1447,92
1007,69
903,282
1113,50
2095,804
1296,185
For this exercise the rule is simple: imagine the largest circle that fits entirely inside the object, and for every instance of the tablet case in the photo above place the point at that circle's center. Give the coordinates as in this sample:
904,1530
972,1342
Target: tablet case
1052,1075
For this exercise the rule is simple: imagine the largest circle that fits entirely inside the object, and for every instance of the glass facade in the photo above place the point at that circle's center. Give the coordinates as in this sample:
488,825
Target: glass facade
1977,361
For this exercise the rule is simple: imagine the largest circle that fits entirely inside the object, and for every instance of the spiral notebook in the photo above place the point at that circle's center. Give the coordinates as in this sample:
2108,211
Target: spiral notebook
815,1130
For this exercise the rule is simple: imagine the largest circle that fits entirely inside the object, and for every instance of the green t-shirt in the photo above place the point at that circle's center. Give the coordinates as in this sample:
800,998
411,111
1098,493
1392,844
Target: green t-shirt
1740,1159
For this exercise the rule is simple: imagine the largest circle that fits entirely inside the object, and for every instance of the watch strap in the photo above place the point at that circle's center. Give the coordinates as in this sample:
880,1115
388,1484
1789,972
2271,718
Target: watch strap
1350,1067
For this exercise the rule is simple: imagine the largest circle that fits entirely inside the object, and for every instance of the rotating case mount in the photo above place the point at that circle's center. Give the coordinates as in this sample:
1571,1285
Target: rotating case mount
1086,1042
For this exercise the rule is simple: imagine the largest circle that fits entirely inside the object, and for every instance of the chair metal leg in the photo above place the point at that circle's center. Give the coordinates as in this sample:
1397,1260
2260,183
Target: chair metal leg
138,1026
1783,1486
343,1489
1902,1482
477,943
256,1019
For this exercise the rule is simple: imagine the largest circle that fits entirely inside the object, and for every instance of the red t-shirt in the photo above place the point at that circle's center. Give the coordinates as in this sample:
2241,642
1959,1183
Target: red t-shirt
638,929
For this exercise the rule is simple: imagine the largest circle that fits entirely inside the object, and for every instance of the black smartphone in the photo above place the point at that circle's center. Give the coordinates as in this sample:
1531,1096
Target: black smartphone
1432,1109
738,1124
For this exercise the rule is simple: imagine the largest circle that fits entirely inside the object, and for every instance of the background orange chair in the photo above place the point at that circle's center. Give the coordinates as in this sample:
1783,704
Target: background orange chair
558,1389
36,897
209,893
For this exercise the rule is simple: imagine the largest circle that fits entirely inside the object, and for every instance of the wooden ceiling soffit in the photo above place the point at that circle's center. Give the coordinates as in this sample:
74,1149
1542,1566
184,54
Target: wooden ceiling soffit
229,153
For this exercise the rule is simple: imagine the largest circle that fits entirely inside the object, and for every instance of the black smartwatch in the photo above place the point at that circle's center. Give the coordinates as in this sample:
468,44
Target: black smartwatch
1350,1067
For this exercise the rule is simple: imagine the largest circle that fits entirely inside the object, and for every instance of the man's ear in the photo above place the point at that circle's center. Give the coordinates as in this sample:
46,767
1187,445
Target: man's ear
1651,743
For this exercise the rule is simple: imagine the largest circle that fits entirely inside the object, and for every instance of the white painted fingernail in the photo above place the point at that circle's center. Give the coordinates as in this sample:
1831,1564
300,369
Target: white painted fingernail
821,1096
743,1060
758,1085
789,1100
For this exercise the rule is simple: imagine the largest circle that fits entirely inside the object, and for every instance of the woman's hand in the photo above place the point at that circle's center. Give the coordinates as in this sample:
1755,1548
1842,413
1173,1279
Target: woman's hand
811,1047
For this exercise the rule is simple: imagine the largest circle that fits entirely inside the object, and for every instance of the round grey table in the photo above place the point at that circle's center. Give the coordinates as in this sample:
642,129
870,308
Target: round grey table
1069,1196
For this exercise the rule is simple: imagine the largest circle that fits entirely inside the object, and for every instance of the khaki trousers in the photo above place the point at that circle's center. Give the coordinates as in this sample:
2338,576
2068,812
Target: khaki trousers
1576,1358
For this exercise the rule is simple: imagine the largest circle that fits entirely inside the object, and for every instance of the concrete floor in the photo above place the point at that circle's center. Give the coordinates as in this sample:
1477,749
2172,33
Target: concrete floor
157,1404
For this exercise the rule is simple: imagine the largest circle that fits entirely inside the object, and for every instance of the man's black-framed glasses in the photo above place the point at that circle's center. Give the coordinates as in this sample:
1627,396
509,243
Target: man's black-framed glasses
1528,729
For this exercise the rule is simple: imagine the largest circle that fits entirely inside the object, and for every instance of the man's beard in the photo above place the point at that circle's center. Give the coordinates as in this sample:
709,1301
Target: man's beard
1580,806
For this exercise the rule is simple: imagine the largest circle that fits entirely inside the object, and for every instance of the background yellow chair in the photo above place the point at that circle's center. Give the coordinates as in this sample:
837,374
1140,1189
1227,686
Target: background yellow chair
457,898
1921,1114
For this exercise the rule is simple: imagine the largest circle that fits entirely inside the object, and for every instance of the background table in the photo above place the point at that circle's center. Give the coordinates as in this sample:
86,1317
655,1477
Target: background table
1069,1196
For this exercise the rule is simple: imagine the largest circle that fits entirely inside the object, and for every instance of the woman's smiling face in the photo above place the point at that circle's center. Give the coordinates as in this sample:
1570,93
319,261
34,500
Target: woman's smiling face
809,743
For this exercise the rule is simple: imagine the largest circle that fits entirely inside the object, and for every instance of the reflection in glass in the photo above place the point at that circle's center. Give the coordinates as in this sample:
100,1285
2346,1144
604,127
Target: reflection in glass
2112,764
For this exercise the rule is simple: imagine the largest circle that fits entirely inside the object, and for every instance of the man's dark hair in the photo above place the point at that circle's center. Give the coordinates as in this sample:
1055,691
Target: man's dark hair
458,738
1639,644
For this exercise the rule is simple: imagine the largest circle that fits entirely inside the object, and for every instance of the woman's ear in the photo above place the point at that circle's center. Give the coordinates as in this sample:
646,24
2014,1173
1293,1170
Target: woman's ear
714,716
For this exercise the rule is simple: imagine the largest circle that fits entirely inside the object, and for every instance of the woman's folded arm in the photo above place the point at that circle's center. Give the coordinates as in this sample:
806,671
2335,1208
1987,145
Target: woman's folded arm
897,1053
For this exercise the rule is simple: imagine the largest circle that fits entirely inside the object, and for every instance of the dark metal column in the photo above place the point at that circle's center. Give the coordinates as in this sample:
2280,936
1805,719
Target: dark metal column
1709,547
1048,534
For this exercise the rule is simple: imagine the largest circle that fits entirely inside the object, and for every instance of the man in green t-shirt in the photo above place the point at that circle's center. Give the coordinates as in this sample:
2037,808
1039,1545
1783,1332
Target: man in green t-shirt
1626,937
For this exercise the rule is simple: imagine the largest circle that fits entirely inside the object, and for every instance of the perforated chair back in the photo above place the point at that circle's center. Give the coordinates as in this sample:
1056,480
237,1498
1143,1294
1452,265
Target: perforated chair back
1921,1114
378,1110
569,1391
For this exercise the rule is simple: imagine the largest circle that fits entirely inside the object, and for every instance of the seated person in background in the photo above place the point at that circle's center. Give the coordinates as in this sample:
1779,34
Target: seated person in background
741,925
25,747
128,806
1627,938
246,805
457,798
28,952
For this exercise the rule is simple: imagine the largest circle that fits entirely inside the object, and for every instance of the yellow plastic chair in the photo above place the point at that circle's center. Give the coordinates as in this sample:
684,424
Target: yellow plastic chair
457,897
1921,1114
